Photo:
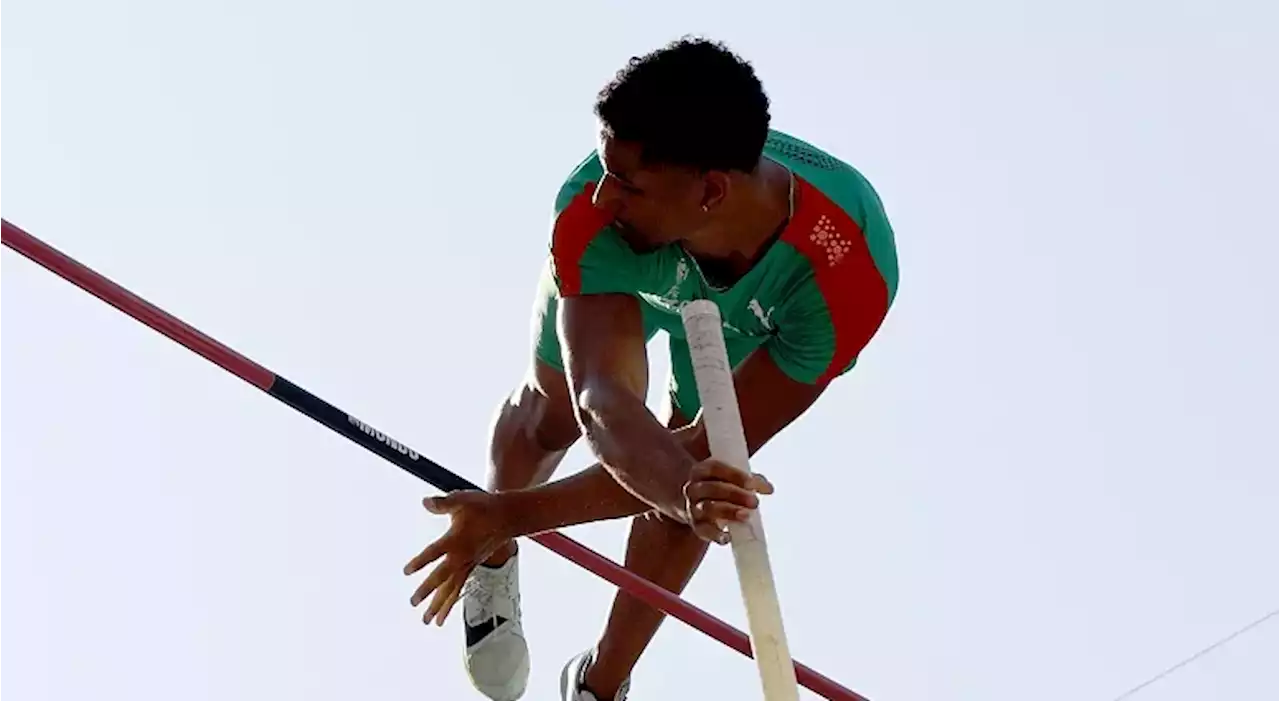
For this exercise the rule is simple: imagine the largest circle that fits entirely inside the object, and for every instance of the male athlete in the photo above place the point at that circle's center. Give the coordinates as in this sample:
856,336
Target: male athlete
688,195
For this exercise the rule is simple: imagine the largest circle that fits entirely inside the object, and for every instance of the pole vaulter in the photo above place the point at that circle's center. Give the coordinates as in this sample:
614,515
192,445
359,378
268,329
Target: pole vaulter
385,446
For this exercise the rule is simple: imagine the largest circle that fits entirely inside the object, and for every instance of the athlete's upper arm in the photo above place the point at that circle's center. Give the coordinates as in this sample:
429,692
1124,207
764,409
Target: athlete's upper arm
769,398
785,376
837,304
603,346
842,292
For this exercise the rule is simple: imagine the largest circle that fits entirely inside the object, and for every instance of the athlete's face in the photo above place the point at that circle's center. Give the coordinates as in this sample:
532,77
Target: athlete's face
651,206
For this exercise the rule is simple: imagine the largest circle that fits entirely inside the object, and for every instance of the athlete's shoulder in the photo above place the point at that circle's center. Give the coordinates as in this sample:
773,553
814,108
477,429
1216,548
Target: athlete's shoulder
846,272
839,181
587,254
844,221
576,222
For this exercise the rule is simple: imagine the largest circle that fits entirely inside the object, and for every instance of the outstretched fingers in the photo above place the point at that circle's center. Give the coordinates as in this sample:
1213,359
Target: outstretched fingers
437,505
444,585
446,596
429,554
438,576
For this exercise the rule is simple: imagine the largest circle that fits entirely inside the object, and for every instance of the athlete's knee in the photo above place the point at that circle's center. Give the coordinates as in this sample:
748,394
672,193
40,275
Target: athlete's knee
538,412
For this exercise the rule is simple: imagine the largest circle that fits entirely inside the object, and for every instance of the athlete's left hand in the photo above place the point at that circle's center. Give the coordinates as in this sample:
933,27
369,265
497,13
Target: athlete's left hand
477,529
718,493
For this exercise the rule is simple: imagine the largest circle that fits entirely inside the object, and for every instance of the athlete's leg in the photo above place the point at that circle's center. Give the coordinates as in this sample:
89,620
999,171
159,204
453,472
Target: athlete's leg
534,426
660,550
664,552
532,430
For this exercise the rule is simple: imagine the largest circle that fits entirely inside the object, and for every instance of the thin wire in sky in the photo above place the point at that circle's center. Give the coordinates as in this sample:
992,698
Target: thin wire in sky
1193,658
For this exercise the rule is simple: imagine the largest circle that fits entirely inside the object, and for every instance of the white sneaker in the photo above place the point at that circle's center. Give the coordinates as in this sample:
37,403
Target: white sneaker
497,658
573,674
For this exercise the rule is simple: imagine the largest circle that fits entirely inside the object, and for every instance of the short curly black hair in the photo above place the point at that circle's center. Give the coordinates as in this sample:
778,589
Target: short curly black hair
692,103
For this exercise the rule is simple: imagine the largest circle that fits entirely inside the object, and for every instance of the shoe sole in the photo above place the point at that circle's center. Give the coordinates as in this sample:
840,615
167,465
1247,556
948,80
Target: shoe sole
504,693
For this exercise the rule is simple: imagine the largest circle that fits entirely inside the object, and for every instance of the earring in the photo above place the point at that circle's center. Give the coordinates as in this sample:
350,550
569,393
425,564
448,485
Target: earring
704,208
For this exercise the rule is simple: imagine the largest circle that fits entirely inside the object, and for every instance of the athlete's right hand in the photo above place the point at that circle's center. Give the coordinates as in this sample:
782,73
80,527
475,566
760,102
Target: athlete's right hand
717,494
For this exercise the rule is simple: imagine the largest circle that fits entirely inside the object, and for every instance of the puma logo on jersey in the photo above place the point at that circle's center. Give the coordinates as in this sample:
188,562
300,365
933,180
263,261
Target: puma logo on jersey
761,314
670,300
682,272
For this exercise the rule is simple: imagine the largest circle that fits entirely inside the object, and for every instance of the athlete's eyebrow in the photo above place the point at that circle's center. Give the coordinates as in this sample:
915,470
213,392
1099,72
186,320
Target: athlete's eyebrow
629,185
626,181
615,174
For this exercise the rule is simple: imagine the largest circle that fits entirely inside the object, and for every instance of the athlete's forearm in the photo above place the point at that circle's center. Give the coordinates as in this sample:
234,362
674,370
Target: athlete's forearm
590,495
639,452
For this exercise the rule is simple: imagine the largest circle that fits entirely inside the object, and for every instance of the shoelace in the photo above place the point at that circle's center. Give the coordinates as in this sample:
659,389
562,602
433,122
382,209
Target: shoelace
483,586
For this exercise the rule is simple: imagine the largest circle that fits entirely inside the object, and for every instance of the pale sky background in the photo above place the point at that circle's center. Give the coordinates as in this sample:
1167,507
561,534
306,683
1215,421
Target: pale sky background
1053,475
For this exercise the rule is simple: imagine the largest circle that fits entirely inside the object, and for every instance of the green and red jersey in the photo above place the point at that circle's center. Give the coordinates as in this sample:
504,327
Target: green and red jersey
813,301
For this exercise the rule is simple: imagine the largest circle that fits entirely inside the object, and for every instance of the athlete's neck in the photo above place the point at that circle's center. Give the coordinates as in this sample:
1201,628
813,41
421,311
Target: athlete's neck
749,221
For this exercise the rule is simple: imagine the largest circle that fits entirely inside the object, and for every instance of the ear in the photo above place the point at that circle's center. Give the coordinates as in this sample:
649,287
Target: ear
715,188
